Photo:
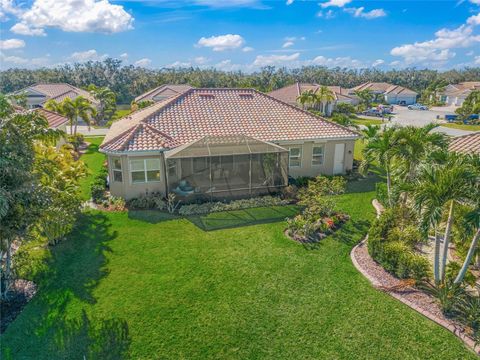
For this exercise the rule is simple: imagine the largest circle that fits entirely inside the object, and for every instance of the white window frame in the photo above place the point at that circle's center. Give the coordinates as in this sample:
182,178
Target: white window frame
145,171
298,157
117,170
321,156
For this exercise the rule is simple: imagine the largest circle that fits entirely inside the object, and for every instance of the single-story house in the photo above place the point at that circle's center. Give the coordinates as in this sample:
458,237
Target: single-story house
38,94
55,121
391,94
455,94
290,93
163,92
467,144
222,143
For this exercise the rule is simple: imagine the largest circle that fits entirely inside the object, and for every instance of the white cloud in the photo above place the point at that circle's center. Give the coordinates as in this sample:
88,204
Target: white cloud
179,64
11,44
200,60
262,60
360,12
222,42
474,20
477,60
335,3
73,16
247,49
24,62
440,48
24,29
145,62
378,62
124,56
88,55
289,2
287,44
327,15
228,3
344,62
476,2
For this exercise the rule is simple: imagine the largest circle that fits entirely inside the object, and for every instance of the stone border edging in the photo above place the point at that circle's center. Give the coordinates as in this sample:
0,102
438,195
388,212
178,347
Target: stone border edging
447,325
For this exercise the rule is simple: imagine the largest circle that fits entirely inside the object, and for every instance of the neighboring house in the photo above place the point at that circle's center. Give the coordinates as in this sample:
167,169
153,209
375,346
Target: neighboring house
55,121
391,94
222,143
38,94
162,92
289,94
467,144
455,94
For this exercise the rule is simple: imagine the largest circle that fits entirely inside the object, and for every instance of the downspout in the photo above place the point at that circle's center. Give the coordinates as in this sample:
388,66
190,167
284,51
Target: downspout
164,162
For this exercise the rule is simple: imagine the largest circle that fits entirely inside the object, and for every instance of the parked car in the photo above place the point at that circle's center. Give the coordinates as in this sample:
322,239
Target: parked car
417,107
372,112
385,109
454,117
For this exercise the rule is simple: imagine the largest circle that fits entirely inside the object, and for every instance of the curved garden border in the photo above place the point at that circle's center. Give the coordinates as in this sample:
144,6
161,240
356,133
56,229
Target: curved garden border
376,276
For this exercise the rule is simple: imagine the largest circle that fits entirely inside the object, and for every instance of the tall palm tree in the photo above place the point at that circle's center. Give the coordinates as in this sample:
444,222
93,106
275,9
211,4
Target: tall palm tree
370,132
437,187
325,96
366,97
379,150
306,98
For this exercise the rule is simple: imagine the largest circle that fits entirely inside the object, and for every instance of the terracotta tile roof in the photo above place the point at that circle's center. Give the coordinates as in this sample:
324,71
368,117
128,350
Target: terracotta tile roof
217,112
168,88
60,91
54,119
383,87
463,88
290,93
468,144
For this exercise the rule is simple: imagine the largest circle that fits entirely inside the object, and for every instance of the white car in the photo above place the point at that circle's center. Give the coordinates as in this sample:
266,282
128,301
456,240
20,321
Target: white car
417,107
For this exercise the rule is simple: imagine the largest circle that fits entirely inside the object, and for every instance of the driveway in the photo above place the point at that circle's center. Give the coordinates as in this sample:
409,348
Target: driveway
83,129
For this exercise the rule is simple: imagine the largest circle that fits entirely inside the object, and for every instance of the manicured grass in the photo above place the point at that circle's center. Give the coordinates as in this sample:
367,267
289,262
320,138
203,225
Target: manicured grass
148,285
94,161
120,113
364,121
462,126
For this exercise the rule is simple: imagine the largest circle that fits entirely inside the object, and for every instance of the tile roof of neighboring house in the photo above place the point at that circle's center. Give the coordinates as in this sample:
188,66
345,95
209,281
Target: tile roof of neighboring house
176,89
290,93
383,87
54,119
469,144
463,88
60,91
217,112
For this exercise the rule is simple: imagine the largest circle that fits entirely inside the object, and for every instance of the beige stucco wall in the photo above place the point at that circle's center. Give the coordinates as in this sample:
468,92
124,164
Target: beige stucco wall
129,190
126,188
307,169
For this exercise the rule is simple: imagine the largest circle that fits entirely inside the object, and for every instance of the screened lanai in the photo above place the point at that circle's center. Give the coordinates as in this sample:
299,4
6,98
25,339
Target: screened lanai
226,166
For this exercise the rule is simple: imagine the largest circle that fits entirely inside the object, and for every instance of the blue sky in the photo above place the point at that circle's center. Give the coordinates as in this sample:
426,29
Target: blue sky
242,34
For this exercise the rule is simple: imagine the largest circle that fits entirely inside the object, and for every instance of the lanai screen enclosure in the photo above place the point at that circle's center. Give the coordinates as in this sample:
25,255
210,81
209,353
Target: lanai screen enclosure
226,166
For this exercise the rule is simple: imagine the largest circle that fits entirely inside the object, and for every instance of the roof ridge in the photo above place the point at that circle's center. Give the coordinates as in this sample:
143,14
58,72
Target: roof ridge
129,130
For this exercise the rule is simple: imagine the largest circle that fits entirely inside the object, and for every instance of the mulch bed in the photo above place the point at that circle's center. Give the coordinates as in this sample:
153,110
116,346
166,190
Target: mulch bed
405,292
20,294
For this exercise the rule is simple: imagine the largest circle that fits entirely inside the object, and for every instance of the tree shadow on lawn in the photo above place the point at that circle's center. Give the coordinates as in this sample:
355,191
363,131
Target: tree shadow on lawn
75,268
151,216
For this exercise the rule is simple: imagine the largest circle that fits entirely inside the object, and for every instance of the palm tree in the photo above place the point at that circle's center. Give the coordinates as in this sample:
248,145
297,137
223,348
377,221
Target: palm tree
379,149
324,95
80,107
107,102
366,97
306,98
370,132
439,186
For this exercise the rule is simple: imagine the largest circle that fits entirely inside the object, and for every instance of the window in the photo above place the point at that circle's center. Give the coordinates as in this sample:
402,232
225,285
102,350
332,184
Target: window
172,167
317,155
117,170
295,159
146,170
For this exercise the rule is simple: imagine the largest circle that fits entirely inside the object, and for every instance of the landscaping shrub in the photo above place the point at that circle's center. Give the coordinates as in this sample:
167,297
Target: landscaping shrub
99,186
290,192
467,310
148,201
447,293
392,244
76,141
201,209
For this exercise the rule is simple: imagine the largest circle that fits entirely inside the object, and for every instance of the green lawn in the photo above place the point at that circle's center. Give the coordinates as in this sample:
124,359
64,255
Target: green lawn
94,161
357,153
148,285
462,126
364,121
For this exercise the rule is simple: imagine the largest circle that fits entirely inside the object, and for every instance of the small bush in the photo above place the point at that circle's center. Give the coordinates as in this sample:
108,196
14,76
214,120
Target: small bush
76,141
148,201
99,186
290,192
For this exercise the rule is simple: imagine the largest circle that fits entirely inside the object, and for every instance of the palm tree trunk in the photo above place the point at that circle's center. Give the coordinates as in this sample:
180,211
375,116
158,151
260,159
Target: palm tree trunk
446,241
436,258
389,186
468,259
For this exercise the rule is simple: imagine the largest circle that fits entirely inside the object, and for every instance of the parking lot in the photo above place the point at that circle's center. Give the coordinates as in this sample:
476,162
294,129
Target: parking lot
403,116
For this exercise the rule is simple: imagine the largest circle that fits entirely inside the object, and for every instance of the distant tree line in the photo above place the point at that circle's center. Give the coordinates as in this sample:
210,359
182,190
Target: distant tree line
130,81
